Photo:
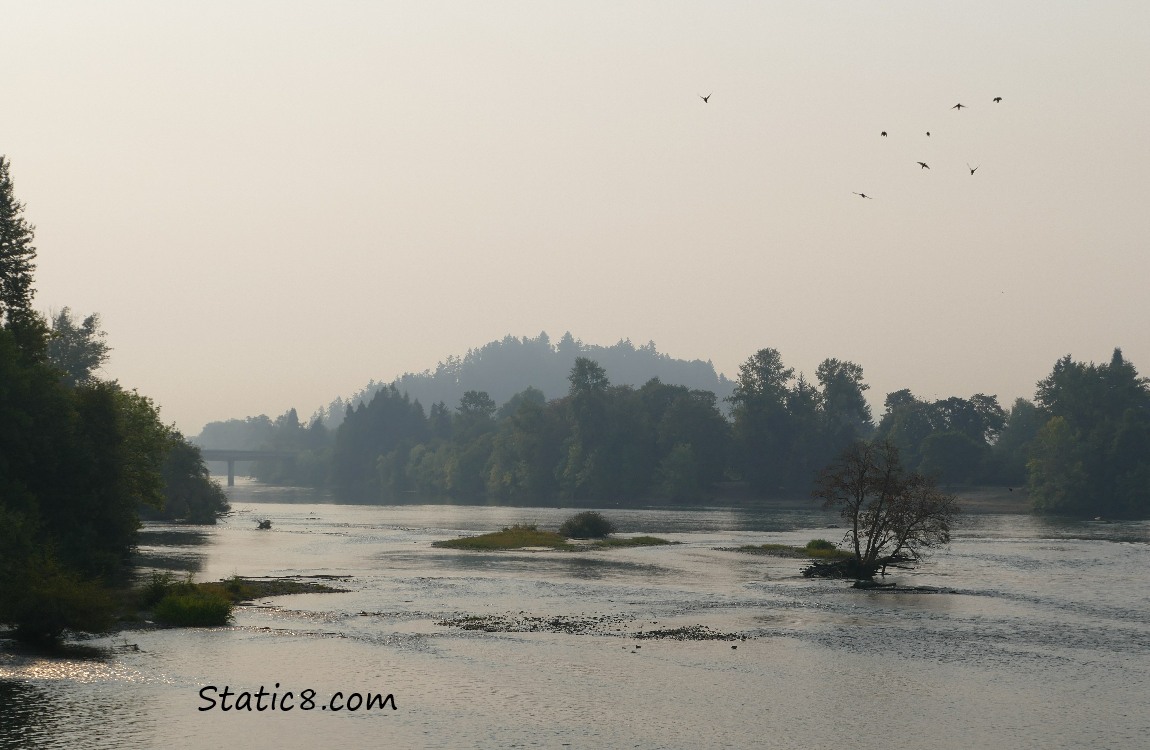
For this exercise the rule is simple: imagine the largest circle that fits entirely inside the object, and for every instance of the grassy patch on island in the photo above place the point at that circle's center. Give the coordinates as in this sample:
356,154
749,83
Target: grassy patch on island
184,603
523,536
634,541
511,537
819,549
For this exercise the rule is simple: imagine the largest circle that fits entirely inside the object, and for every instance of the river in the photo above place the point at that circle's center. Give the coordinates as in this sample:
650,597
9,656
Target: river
1037,636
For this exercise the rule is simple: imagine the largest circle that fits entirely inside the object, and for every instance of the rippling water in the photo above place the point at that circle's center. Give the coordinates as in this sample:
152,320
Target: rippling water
1038,636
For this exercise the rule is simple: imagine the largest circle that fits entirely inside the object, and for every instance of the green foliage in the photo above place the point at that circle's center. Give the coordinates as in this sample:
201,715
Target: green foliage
951,439
47,599
17,256
632,541
520,536
587,525
184,603
952,457
1092,457
77,456
194,609
369,431
1059,482
156,587
1012,449
818,549
189,492
617,443
678,475
525,451
785,427
77,349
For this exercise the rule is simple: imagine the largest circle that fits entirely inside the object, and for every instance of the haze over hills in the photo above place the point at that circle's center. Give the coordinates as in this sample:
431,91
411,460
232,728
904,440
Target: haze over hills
505,367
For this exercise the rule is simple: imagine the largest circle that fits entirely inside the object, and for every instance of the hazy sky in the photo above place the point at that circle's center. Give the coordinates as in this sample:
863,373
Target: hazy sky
271,203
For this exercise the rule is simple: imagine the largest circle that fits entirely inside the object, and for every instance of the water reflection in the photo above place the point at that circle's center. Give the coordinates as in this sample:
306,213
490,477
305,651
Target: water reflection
59,714
166,547
23,720
541,564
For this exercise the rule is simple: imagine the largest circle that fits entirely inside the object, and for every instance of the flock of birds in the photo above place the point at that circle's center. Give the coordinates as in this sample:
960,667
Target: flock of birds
922,164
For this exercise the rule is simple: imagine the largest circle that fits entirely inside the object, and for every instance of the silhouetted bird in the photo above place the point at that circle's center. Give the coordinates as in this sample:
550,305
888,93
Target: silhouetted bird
883,134
997,99
705,98
928,134
960,105
863,195
972,169
923,165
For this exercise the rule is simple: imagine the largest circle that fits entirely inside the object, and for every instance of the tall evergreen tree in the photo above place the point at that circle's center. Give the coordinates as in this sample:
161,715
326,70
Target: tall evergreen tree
17,256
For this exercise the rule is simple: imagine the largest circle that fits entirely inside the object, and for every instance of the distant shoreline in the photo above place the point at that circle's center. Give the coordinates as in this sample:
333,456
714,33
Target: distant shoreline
976,499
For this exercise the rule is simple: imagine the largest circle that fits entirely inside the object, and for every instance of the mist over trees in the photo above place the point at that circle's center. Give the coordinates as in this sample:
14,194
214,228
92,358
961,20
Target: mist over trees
507,367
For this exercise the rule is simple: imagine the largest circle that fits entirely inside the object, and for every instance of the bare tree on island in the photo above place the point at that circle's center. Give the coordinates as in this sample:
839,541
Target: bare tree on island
892,515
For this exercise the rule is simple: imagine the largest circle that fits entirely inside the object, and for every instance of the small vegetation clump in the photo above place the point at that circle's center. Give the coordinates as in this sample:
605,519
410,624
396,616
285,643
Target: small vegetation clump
816,548
511,537
194,609
521,536
188,604
49,600
587,525
185,603
634,541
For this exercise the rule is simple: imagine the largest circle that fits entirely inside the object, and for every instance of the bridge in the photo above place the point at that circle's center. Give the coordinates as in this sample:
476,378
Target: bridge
232,455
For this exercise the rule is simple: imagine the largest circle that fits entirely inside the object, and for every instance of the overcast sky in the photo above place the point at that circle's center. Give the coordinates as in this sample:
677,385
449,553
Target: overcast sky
271,203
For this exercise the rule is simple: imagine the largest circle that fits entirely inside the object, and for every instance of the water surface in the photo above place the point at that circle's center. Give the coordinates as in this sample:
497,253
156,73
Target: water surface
1038,636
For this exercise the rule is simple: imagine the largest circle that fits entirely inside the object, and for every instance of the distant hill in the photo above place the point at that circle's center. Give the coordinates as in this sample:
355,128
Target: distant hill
506,367
502,369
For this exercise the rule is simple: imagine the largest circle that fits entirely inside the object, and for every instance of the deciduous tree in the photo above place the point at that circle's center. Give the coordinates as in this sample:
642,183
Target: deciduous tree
892,515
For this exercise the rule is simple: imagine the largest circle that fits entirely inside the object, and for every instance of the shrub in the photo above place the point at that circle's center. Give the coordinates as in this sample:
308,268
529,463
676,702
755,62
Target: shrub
50,600
586,525
512,537
815,544
194,609
156,588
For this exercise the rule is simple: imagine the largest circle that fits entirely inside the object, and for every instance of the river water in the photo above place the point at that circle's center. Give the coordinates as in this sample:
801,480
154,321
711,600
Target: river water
1037,636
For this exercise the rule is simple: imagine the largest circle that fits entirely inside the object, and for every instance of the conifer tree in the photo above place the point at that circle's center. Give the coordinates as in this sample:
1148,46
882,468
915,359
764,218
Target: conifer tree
16,256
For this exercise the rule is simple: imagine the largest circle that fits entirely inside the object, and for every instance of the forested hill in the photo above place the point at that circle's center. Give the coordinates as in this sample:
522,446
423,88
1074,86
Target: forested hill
500,369
504,368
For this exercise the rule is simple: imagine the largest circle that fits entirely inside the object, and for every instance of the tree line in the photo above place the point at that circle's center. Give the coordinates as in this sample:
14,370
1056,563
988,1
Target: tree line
80,458
1081,447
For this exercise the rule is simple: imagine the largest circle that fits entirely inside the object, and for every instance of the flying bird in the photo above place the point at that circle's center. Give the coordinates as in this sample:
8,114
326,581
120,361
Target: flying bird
705,98
972,169
864,195
923,165
997,99
960,105
883,134
928,134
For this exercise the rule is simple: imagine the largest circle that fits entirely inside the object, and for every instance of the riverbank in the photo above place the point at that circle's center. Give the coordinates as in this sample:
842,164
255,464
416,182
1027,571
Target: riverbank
1002,500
